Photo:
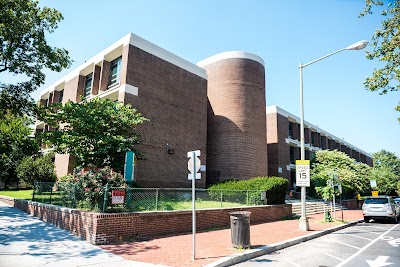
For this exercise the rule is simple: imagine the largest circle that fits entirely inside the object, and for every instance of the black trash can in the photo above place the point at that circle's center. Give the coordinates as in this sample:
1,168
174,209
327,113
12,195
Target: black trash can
240,229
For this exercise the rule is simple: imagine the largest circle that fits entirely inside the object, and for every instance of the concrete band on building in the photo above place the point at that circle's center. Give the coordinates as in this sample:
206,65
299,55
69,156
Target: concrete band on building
217,106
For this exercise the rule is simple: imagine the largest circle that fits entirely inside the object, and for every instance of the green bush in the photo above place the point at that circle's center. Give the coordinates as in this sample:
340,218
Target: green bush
88,186
274,186
32,170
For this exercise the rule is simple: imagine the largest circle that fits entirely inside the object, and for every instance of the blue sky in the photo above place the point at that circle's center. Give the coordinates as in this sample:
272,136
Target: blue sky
283,33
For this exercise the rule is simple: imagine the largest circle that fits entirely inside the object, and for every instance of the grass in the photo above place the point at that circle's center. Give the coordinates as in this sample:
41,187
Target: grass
22,194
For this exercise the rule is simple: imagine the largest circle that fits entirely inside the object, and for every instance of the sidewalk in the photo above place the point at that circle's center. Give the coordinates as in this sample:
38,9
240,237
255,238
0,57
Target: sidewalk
212,246
27,241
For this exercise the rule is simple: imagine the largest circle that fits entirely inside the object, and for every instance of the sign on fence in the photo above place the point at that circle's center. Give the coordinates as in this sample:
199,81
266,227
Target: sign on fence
118,196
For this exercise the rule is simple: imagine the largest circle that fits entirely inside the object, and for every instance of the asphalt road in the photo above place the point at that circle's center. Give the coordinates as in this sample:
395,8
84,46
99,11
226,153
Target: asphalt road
366,244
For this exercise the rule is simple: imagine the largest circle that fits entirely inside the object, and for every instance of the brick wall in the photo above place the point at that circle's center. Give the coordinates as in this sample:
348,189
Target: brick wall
107,228
236,138
175,102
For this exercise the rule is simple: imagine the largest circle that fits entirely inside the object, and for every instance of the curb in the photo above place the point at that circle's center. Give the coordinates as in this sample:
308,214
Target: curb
254,253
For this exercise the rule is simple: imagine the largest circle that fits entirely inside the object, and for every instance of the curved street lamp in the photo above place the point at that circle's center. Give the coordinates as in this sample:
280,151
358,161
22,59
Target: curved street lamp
303,221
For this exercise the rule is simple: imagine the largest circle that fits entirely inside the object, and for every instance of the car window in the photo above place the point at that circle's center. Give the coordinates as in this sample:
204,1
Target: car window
376,201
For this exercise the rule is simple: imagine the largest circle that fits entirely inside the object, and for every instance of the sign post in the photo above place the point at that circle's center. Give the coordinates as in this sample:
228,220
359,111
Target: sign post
193,167
303,181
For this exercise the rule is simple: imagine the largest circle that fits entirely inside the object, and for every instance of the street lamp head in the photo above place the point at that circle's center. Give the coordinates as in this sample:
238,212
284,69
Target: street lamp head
357,46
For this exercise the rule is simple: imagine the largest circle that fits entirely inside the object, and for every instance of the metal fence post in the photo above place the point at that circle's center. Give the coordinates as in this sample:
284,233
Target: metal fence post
105,197
157,199
222,195
51,193
247,197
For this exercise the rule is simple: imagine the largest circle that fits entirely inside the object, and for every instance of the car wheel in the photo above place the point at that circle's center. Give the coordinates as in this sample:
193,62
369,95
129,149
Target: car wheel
366,219
395,219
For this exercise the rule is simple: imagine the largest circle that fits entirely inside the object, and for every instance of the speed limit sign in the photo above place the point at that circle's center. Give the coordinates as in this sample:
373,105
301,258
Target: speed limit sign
303,173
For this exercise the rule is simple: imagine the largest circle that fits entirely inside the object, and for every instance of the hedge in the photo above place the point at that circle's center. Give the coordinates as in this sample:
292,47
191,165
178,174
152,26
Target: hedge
274,186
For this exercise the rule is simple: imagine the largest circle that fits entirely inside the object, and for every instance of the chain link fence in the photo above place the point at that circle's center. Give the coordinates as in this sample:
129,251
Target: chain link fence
125,199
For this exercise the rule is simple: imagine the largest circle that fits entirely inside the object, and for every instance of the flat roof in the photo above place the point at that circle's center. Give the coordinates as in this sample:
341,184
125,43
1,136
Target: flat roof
229,55
138,42
281,111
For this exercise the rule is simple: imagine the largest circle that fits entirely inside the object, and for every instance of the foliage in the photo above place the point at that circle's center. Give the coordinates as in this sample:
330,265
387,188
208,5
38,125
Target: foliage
96,131
386,48
15,144
274,186
353,176
386,180
39,169
387,160
89,185
25,51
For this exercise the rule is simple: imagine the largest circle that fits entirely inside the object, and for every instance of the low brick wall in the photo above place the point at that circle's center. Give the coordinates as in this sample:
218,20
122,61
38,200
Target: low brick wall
352,204
103,228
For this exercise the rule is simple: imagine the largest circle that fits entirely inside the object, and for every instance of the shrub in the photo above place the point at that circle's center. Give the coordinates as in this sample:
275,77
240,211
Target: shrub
274,186
89,185
40,169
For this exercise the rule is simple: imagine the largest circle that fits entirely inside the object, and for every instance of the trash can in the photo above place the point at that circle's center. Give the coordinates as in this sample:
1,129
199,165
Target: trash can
240,229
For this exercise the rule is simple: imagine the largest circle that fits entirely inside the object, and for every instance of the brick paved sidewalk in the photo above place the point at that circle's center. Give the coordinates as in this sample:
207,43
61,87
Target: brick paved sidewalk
177,250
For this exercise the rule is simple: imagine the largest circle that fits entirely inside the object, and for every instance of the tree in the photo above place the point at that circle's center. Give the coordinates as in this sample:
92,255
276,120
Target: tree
386,180
386,48
31,170
352,175
24,50
97,131
387,160
15,144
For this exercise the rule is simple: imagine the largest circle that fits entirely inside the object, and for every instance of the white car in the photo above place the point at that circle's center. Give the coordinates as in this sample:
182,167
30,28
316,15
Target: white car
381,207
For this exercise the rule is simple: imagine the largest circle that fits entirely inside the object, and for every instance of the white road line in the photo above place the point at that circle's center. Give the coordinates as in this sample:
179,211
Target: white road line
363,231
360,237
382,228
346,244
295,264
365,247
325,253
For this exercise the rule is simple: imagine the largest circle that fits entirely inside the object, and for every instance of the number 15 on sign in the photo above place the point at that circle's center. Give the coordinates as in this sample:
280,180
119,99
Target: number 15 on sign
303,173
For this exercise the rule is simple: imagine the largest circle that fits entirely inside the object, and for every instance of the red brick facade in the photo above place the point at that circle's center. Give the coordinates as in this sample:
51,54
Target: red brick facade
236,138
107,228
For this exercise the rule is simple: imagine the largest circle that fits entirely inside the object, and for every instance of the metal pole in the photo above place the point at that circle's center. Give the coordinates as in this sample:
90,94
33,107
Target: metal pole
303,222
194,205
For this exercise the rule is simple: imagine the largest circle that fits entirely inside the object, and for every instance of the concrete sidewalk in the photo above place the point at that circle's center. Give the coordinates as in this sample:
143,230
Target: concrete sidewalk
27,241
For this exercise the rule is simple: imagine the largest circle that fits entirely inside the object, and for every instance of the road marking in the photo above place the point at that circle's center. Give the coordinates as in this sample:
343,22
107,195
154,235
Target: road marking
360,237
363,231
378,262
325,253
382,228
365,247
295,264
346,244
395,242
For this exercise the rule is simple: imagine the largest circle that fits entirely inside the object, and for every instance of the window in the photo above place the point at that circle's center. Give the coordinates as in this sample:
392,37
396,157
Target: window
290,129
88,86
115,67
61,96
313,138
291,155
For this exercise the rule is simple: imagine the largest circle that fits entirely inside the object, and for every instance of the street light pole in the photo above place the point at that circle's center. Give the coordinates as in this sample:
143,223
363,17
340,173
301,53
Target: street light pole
303,221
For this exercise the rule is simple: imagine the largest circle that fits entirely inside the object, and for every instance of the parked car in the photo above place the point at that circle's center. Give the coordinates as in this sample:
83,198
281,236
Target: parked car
397,200
380,208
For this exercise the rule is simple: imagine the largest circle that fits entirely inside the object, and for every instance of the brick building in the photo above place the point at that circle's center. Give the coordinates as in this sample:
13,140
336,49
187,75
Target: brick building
283,132
217,106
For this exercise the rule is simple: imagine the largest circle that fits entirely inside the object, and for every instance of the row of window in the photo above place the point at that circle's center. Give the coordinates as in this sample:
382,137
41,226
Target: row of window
113,78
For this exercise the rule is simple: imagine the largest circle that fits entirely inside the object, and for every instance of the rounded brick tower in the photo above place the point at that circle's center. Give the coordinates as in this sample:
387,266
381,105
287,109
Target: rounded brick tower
236,117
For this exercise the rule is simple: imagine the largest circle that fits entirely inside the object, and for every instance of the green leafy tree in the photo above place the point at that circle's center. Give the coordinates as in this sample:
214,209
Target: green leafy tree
386,180
25,51
386,48
387,160
97,131
15,144
352,175
32,170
